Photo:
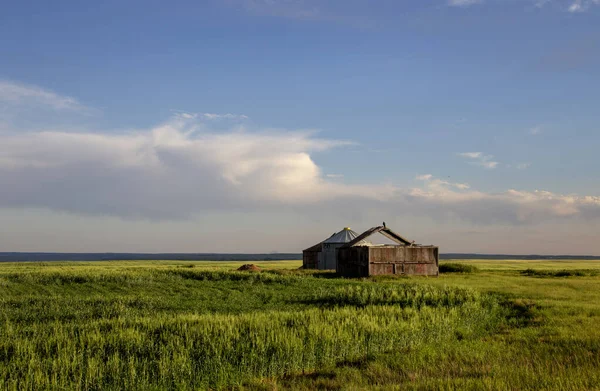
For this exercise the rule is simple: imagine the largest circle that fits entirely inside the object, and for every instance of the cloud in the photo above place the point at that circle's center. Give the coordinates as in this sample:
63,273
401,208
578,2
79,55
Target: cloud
463,3
582,5
479,159
461,186
536,130
17,94
471,155
208,116
523,166
181,169
572,6
224,116
169,172
512,206
489,165
434,183
165,172
425,177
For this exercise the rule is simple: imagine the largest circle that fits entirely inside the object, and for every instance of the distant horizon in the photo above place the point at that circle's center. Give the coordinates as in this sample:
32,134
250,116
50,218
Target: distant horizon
207,256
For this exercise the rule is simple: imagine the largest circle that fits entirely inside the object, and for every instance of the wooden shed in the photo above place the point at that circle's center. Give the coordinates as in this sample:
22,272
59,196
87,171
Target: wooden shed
406,258
324,255
310,256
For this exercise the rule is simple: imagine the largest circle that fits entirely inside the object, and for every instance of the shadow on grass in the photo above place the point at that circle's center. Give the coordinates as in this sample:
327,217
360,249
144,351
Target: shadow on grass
329,274
325,379
388,367
560,273
326,274
457,268
522,312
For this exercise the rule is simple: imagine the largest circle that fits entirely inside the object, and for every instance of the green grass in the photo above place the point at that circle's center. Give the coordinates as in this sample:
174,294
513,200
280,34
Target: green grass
202,325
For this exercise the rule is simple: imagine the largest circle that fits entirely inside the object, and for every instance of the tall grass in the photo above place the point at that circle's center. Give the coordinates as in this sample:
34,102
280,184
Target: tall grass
199,351
187,325
182,328
405,295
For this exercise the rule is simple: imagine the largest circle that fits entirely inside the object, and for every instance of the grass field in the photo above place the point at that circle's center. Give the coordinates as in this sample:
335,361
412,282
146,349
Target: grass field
201,325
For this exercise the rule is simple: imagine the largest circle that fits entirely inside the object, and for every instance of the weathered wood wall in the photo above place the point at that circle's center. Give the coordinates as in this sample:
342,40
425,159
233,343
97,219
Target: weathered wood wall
362,261
310,259
353,261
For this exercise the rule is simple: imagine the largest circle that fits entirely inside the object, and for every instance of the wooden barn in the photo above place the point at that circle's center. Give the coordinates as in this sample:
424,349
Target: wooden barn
323,255
355,259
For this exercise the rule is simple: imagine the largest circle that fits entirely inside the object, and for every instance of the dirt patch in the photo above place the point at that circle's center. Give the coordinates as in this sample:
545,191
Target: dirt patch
249,267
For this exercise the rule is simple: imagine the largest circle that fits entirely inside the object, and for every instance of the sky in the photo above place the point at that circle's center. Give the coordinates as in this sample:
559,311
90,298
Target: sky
266,125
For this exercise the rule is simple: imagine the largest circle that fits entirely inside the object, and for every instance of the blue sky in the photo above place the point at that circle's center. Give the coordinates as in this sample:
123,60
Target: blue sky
468,124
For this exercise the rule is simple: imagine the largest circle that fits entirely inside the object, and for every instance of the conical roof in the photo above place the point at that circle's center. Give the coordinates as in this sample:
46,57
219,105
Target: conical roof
344,236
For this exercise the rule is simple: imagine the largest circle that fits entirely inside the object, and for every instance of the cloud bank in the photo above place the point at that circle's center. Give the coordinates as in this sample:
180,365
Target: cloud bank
170,171
455,200
180,169
175,171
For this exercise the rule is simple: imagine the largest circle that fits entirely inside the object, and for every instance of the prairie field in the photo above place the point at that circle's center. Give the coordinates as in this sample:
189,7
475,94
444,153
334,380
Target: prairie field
191,325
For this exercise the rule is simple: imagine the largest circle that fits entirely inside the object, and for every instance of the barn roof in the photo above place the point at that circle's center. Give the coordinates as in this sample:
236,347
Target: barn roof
388,233
316,247
344,236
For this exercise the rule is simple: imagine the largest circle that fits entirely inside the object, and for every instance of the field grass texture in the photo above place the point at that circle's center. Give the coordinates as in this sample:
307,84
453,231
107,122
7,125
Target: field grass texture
202,325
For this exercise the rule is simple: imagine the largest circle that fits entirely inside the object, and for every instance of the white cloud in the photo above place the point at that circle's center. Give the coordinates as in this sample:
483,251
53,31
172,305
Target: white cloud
523,166
480,159
463,3
462,186
212,116
582,5
435,183
471,155
511,206
487,164
180,169
12,93
166,173
572,6
184,115
576,7
536,130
